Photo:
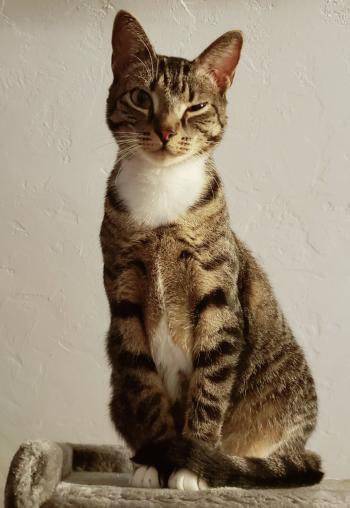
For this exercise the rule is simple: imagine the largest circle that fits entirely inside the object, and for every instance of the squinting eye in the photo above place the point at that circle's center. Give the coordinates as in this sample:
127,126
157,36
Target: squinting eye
140,98
197,107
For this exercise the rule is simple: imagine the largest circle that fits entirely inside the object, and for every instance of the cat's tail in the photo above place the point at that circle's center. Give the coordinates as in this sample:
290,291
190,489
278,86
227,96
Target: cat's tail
220,470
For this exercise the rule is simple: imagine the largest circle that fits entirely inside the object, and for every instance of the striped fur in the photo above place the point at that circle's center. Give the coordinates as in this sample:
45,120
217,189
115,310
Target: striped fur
227,392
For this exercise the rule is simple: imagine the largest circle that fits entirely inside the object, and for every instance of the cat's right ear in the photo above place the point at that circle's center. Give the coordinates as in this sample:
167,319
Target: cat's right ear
220,59
129,43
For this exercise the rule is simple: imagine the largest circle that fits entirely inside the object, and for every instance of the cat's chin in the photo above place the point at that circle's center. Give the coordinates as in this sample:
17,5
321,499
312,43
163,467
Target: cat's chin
163,158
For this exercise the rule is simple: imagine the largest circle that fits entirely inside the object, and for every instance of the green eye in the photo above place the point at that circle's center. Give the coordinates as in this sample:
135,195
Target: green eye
140,98
197,107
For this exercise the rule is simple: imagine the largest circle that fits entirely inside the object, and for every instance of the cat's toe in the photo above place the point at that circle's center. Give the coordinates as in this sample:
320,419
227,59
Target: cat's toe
151,478
146,477
137,477
184,479
202,484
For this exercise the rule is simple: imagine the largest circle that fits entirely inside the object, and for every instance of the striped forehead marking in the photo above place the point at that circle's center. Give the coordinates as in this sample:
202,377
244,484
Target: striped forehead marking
172,73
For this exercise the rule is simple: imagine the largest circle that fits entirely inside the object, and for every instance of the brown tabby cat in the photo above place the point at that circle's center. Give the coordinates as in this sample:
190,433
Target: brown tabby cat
209,386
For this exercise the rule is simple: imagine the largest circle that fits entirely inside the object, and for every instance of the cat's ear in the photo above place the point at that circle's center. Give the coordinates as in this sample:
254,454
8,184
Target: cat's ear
129,43
220,59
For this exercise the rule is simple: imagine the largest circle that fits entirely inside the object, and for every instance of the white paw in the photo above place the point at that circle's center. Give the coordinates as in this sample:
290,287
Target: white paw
184,479
146,477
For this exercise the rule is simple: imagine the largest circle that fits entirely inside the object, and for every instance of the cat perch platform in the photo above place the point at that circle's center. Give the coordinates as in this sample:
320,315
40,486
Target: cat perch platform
51,475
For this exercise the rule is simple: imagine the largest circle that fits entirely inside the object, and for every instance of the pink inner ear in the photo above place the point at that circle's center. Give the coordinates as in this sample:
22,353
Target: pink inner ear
224,70
223,79
220,59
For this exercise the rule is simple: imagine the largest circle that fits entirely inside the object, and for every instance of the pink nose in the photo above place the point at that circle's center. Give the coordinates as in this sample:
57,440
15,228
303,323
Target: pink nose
166,135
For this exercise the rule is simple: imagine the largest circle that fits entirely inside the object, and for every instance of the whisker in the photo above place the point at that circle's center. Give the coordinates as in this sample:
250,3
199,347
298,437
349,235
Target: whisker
142,40
145,66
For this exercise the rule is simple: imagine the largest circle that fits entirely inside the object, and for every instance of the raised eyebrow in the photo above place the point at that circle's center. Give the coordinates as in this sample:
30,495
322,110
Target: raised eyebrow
181,108
155,101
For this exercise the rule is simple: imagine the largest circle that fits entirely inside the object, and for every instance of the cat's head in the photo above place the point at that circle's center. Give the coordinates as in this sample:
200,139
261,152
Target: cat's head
167,109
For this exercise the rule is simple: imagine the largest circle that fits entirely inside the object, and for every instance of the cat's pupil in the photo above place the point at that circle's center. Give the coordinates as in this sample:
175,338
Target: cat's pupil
197,107
142,98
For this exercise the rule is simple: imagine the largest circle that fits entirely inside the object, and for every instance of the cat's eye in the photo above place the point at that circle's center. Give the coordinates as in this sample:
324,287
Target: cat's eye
197,107
140,98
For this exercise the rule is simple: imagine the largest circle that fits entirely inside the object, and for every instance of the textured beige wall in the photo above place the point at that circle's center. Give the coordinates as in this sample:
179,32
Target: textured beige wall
285,162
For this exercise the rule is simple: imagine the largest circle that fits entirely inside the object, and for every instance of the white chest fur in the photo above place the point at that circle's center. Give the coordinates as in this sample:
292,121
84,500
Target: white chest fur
157,195
171,361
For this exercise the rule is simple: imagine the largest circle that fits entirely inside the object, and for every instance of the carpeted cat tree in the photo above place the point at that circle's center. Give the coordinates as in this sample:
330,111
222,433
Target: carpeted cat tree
50,475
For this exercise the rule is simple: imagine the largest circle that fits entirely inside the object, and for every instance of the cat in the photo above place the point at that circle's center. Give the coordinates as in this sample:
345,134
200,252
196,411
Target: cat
209,386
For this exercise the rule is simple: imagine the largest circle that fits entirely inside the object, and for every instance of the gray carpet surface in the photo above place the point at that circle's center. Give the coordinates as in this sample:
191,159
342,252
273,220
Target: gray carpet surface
77,491
52,475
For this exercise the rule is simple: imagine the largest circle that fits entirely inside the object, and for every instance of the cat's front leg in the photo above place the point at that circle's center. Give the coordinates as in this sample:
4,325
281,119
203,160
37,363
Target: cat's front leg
217,347
139,407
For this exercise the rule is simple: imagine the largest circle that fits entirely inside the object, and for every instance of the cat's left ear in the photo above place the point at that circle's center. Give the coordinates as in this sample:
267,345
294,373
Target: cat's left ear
130,43
220,59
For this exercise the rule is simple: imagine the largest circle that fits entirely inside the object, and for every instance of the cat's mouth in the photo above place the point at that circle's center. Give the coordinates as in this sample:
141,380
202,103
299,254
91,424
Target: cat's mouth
163,153
165,150
163,156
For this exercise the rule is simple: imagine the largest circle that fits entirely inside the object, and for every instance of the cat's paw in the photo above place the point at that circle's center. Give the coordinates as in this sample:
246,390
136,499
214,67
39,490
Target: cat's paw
184,479
145,477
